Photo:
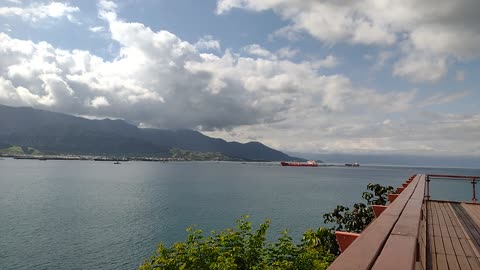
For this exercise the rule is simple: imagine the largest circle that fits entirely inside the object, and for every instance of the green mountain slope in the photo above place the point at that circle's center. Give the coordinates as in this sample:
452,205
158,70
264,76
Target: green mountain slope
56,133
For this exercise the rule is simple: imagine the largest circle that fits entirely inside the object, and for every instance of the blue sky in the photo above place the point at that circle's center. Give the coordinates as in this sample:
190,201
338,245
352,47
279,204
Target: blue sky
306,76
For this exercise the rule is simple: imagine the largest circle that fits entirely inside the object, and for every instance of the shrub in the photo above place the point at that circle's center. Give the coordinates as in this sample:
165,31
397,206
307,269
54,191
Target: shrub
243,248
357,219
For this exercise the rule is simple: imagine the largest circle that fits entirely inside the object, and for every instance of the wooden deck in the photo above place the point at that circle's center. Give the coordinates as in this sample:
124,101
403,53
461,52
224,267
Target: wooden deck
390,241
416,233
453,235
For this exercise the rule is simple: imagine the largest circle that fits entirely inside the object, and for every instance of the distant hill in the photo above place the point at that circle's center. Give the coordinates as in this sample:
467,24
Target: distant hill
56,133
17,150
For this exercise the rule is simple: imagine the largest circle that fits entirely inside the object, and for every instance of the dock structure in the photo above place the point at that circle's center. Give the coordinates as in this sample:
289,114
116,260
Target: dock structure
415,232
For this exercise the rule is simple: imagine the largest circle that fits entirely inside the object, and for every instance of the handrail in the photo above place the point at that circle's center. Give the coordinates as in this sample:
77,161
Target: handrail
453,177
364,252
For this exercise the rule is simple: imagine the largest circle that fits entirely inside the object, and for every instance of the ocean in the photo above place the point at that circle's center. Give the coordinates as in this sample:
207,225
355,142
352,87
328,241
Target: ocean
97,215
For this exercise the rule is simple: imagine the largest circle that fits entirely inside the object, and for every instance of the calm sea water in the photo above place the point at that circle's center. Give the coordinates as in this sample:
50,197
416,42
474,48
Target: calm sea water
97,215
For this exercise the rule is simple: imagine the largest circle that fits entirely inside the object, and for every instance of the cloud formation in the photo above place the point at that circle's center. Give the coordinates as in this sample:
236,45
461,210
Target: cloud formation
160,80
430,30
38,11
157,79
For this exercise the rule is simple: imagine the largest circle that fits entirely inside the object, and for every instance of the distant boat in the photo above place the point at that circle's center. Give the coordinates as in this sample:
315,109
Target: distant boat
117,162
310,163
352,164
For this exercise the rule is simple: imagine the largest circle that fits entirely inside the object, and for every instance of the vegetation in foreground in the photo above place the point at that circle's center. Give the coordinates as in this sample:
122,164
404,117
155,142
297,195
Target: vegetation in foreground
246,248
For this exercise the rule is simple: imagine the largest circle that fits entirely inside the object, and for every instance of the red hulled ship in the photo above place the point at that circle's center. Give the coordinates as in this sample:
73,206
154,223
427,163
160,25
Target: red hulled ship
310,163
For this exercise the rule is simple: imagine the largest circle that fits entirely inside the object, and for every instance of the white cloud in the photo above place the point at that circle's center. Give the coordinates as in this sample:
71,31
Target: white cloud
289,32
444,98
8,92
257,50
381,59
99,102
434,30
329,21
418,66
447,40
39,11
436,134
96,29
156,73
207,43
160,80
107,6
287,53
328,62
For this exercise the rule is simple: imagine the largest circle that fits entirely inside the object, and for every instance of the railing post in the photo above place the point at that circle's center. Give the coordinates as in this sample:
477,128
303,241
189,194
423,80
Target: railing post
428,187
474,198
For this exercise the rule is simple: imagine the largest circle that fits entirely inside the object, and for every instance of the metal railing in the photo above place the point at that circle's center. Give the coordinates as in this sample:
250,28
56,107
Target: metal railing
472,179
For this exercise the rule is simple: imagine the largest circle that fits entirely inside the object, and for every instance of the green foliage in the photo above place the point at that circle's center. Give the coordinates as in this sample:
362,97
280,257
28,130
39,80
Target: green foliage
324,238
244,248
362,214
379,195
12,150
18,150
350,221
193,155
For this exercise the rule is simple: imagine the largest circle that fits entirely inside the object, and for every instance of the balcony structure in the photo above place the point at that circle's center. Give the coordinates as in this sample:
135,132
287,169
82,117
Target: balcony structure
414,232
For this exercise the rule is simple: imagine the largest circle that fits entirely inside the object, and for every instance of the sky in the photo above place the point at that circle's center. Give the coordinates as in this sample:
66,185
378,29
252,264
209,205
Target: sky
302,76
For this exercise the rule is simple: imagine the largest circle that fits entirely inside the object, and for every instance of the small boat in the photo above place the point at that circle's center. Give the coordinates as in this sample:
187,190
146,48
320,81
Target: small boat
310,163
116,162
352,164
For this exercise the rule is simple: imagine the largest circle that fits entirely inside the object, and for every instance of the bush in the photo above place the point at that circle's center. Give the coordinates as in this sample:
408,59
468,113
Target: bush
243,248
361,215
379,195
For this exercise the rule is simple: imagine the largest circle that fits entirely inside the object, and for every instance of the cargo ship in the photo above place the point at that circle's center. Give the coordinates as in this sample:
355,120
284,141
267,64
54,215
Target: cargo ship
352,164
310,163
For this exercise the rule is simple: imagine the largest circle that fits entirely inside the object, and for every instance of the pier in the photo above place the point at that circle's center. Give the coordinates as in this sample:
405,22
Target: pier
415,232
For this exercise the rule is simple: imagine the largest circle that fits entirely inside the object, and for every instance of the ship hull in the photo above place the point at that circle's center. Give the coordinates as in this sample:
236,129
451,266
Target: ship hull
352,165
298,164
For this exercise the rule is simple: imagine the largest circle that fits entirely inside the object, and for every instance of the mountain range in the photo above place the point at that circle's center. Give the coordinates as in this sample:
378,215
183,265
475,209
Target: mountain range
57,133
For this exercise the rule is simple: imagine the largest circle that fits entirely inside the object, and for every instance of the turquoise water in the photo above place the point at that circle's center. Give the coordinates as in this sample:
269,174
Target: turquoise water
97,215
